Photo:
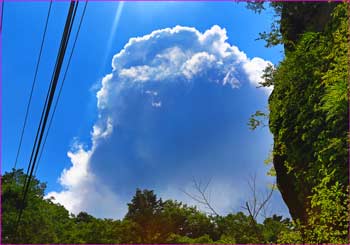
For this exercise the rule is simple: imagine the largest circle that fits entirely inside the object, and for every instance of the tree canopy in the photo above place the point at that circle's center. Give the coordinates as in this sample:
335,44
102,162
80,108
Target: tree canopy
149,220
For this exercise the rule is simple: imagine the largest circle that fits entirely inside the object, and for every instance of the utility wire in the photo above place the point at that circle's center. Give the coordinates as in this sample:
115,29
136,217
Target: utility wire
62,84
63,45
46,110
33,85
40,127
50,97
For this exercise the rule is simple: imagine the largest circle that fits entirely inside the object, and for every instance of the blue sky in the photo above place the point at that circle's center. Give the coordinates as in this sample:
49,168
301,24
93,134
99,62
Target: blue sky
174,106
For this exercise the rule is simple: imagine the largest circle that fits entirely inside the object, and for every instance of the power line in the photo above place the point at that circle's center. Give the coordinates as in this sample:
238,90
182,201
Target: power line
33,85
48,103
62,84
63,45
50,94
46,109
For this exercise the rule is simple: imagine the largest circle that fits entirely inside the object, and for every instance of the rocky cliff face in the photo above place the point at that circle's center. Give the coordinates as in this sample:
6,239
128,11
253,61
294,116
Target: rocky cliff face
296,116
298,18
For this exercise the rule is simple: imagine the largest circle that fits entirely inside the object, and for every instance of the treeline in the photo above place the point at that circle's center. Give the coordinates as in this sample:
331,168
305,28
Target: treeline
149,220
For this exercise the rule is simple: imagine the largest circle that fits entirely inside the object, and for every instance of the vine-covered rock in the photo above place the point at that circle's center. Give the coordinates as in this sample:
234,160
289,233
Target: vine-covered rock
309,121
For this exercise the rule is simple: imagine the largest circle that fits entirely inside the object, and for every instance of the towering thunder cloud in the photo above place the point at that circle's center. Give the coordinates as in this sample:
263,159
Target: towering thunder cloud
168,112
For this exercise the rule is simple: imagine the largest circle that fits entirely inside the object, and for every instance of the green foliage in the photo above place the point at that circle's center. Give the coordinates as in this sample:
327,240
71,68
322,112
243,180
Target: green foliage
267,76
328,214
273,37
309,121
145,211
256,6
149,220
156,220
178,239
240,228
292,236
42,221
257,119
274,226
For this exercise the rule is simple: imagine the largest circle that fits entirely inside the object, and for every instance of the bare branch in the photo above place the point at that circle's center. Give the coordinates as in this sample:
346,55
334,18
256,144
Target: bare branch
202,196
257,205
265,201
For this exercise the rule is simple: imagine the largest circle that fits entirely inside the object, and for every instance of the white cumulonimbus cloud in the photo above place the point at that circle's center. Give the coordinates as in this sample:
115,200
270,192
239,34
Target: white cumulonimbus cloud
167,112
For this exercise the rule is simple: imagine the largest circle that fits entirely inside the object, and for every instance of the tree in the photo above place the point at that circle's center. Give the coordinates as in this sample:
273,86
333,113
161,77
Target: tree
238,227
156,220
178,218
42,220
145,210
